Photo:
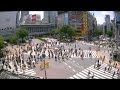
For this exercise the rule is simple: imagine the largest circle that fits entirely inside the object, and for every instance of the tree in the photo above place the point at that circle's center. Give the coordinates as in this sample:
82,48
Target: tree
98,33
110,34
2,45
67,32
22,33
55,32
13,39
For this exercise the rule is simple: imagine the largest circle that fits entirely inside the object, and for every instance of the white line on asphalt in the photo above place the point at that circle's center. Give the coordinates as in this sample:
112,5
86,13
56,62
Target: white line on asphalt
69,66
65,63
73,70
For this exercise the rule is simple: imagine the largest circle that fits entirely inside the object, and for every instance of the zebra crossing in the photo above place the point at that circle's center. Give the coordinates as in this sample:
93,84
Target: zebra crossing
27,71
98,74
86,54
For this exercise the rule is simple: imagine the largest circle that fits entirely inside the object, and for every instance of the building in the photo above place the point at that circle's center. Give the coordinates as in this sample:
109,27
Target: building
83,21
18,19
100,27
36,19
38,29
50,17
23,16
28,19
109,25
8,23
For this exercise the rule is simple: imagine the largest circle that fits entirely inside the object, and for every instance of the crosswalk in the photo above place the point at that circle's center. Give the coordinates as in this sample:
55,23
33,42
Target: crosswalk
98,74
27,71
86,54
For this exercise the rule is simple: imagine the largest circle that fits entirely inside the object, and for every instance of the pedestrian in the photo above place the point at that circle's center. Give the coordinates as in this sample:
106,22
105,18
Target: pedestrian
89,73
55,58
92,76
90,54
113,74
118,71
105,69
115,65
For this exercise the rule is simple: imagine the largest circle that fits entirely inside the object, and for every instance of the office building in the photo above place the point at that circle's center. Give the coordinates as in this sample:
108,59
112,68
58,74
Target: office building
50,17
80,20
23,16
8,23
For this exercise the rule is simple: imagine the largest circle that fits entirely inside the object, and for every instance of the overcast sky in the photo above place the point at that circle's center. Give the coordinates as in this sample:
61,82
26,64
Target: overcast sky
100,15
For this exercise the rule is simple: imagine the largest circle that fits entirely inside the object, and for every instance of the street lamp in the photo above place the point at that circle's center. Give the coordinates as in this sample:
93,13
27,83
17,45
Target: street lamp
43,56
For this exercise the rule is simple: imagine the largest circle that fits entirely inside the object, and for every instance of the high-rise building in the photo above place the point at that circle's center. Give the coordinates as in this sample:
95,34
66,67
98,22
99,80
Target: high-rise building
108,24
50,17
23,14
8,23
82,21
18,19
107,18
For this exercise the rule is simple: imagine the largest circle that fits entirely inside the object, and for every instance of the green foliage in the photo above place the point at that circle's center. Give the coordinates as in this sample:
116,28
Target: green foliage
98,32
55,32
22,33
13,39
109,33
42,39
67,32
2,44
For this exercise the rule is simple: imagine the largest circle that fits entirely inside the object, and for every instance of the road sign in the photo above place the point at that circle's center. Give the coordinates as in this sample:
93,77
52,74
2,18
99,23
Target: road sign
42,65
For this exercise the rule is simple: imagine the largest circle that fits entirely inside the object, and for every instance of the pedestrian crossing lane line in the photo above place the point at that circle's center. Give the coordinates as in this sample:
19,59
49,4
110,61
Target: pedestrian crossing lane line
98,72
107,73
94,54
76,77
71,77
101,74
86,73
85,54
102,69
95,75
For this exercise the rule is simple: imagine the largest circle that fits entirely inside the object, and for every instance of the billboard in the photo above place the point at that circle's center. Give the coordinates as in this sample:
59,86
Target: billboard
34,18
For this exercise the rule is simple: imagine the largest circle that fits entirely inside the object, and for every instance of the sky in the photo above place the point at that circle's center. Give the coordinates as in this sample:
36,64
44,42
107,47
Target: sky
100,15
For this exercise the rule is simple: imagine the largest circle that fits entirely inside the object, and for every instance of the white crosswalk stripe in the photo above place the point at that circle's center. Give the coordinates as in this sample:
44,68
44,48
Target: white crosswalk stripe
98,74
86,54
27,71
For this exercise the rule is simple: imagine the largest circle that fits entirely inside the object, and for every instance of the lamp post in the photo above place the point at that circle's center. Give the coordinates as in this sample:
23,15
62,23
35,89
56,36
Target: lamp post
43,55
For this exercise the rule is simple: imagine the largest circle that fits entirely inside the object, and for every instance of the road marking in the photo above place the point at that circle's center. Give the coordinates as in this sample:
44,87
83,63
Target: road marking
73,70
65,63
69,66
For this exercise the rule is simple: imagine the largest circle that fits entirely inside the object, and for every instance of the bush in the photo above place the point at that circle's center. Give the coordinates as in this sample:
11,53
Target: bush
40,38
13,39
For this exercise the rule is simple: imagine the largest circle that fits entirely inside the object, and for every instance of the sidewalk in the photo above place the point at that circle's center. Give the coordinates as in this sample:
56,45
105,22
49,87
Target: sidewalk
107,57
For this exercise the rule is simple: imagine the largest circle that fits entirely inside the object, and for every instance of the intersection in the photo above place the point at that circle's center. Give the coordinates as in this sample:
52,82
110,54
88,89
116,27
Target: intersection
73,67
